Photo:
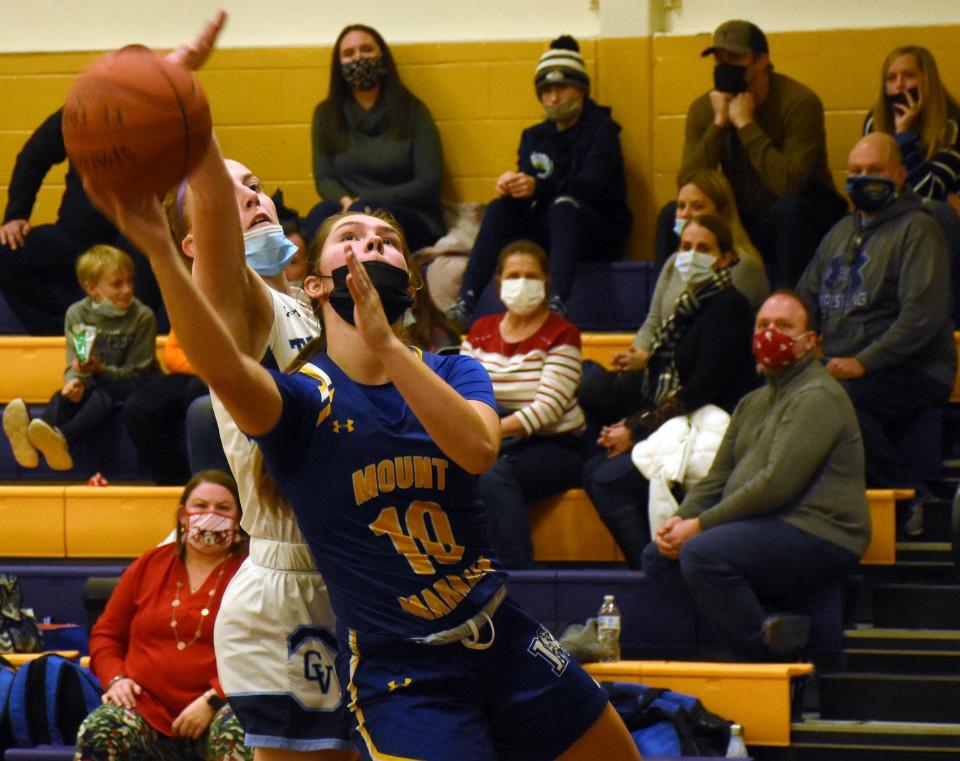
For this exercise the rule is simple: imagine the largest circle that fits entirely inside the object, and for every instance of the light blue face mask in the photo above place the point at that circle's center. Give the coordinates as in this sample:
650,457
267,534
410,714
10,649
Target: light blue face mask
678,225
268,250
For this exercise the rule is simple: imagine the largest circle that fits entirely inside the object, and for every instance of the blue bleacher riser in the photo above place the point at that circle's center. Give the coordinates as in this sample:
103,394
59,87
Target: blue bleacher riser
606,297
55,590
109,452
651,618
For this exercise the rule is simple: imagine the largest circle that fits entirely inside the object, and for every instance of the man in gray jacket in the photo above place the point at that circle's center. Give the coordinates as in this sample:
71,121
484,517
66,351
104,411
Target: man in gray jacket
783,509
880,283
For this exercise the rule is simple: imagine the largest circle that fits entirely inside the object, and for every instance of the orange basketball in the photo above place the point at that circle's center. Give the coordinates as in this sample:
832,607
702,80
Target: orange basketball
135,123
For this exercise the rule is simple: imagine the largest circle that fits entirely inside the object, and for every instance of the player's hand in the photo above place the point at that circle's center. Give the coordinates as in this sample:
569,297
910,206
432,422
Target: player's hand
616,439
346,202
720,103
742,106
73,390
14,233
122,693
192,55
368,311
906,116
503,183
193,720
844,368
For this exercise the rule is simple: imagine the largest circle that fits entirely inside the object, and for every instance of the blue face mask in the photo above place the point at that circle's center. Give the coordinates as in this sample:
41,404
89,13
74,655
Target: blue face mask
267,249
678,225
871,193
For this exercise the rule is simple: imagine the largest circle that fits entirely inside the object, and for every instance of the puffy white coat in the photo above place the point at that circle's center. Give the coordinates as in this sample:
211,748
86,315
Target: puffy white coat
680,451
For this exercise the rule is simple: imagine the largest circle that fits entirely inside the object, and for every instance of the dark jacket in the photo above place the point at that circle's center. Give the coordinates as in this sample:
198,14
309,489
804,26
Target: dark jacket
584,162
39,154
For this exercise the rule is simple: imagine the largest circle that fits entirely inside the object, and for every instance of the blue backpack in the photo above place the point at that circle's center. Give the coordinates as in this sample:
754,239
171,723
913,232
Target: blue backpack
48,699
667,723
6,682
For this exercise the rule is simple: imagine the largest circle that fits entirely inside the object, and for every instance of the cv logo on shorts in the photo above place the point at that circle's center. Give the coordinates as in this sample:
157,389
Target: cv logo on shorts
542,163
311,673
543,645
347,426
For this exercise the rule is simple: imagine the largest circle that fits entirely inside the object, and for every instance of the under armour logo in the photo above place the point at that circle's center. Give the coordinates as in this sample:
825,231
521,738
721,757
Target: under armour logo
337,425
392,684
292,313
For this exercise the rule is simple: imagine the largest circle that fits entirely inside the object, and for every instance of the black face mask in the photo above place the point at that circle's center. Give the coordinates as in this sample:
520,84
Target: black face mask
730,78
901,98
391,284
871,193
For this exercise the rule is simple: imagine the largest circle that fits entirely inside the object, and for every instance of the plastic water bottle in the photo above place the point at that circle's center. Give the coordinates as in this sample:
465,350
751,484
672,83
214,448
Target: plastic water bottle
608,630
736,748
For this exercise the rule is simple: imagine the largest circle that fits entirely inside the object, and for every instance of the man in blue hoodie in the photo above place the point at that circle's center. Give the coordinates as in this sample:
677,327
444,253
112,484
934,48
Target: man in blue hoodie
880,283
568,193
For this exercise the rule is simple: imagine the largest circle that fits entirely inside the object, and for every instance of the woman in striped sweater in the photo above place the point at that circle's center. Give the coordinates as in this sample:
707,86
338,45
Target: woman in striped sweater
533,357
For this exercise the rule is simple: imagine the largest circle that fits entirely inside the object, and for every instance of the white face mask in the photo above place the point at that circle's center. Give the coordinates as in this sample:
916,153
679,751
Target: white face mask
522,295
693,266
109,309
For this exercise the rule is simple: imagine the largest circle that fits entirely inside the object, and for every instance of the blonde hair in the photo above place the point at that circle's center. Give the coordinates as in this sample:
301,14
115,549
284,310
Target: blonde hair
715,186
97,260
937,129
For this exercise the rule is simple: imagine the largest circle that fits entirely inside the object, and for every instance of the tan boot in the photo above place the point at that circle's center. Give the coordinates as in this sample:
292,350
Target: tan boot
16,419
51,444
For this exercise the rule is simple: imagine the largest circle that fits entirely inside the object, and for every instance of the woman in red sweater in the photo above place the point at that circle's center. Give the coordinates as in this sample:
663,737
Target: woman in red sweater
152,647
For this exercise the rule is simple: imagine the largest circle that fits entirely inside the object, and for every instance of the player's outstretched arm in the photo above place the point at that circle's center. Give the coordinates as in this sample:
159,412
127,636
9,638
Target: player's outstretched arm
246,389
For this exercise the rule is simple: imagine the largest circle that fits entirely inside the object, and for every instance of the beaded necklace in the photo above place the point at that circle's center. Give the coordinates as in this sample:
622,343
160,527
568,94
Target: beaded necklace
203,613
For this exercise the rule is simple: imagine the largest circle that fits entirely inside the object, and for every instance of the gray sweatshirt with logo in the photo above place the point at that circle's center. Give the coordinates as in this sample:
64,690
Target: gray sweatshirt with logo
881,291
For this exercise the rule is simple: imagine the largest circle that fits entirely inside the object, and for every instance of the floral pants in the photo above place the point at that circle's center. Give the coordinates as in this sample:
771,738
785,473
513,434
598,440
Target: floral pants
112,733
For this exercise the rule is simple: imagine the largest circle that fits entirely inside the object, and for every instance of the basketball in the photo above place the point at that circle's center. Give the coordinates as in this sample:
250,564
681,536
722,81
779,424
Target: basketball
135,123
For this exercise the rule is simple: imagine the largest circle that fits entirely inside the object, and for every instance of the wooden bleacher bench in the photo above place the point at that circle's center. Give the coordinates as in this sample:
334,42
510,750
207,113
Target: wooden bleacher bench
567,527
18,659
125,521
33,366
756,695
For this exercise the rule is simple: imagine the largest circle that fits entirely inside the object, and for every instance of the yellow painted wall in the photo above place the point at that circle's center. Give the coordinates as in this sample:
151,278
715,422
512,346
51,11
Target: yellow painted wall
481,95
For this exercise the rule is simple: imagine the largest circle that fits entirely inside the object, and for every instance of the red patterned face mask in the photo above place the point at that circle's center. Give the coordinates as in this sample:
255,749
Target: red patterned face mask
774,350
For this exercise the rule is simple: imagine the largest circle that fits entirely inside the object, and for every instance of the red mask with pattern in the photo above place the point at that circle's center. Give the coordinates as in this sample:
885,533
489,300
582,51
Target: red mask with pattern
774,350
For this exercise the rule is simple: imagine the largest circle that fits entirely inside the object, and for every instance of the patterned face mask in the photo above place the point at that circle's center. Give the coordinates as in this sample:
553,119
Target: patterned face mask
364,73
774,350
208,531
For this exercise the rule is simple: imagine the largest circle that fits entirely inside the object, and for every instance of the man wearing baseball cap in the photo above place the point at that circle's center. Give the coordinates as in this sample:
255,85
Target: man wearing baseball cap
568,193
766,132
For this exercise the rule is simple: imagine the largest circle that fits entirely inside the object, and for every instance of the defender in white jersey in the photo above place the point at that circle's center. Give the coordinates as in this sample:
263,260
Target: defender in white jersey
274,633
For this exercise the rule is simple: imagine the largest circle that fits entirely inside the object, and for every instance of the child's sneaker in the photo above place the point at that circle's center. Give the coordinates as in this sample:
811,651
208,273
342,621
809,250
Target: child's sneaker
16,419
51,443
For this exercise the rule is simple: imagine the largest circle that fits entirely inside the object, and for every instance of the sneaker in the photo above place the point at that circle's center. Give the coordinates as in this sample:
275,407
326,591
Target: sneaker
16,419
913,525
786,633
459,315
51,444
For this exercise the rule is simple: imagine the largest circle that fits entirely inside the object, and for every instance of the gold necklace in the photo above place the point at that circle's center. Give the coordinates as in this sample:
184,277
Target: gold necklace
203,613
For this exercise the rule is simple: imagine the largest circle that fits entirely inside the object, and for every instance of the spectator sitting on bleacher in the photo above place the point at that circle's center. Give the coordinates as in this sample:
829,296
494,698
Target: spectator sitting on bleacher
533,357
569,193
914,106
703,191
111,340
700,355
152,647
155,415
766,132
880,283
374,142
783,509
37,263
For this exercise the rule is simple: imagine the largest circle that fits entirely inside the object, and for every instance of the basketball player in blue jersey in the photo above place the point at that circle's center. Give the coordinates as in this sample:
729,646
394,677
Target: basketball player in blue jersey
376,447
